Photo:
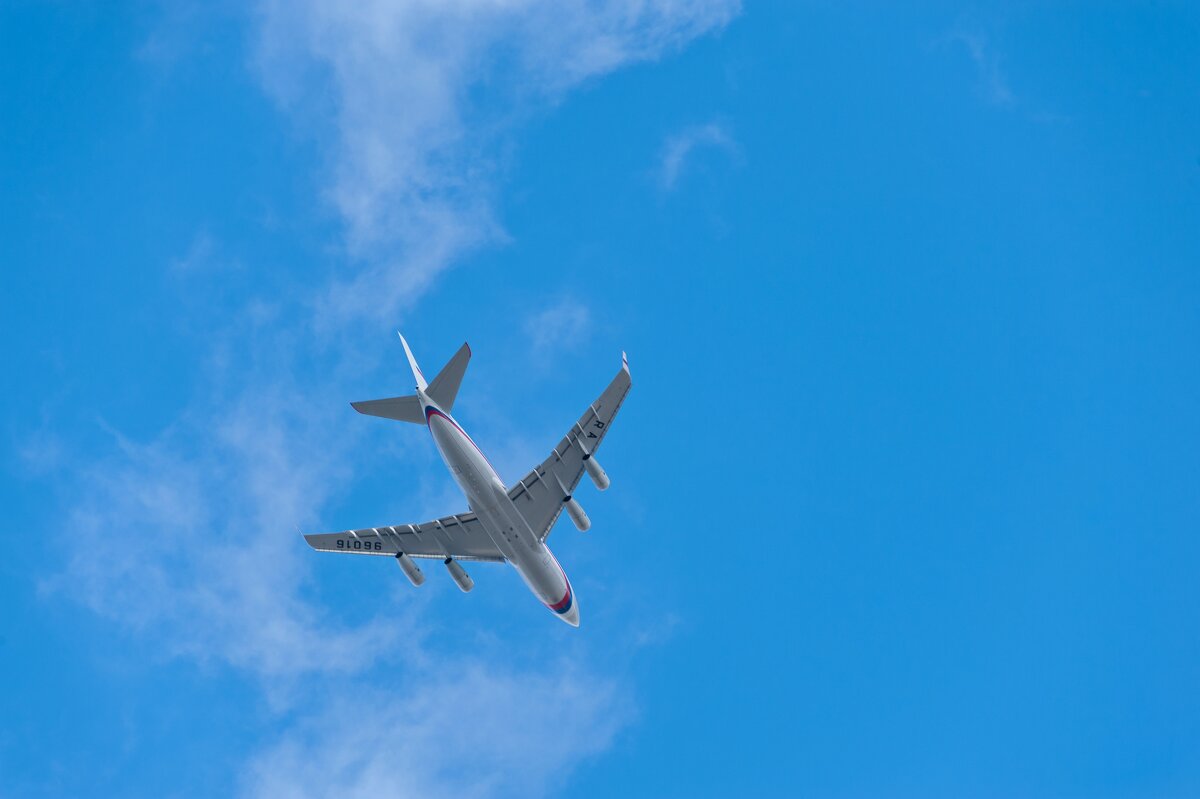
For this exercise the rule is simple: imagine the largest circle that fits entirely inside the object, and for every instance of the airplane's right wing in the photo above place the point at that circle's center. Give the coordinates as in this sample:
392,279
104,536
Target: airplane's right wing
538,496
461,537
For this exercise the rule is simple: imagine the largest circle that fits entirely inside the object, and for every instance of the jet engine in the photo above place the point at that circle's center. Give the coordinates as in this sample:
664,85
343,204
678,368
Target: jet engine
596,472
410,568
460,575
575,511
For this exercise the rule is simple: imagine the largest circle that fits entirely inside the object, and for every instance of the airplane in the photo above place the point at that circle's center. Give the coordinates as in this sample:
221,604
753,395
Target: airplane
502,524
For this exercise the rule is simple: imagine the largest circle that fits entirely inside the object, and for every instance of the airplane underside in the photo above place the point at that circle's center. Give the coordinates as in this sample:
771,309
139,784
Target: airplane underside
505,524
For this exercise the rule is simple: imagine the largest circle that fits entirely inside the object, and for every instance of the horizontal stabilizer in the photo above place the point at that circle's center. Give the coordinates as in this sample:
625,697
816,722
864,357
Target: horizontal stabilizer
442,390
444,387
402,409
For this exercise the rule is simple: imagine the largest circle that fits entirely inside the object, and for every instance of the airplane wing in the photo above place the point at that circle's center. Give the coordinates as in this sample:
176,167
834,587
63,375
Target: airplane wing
538,496
461,537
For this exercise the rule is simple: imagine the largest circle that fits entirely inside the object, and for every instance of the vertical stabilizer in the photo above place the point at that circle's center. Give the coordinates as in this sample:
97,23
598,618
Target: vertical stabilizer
444,387
412,362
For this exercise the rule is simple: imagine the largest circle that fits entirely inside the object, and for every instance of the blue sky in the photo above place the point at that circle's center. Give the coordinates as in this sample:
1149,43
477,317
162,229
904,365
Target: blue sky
904,497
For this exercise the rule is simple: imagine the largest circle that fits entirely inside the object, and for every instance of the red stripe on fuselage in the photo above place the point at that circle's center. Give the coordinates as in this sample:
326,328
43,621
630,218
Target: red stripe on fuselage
564,604
430,411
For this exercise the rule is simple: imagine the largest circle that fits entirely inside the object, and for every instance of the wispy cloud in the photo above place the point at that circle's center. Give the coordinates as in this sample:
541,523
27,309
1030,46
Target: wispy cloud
175,33
993,84
558,328
40,453
199,534
243,471
198,523
468,730
413,142
202,257
681,147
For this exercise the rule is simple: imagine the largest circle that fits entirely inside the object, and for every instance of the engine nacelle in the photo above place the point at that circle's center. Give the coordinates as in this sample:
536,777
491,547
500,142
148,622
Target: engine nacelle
575,511
596,472
460,575
410,568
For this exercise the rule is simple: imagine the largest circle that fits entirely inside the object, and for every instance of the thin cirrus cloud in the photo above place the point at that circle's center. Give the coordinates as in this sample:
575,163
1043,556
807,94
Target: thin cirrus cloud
680,149
220,469
993,84
411,170
558,328
412,161
219,495
412,740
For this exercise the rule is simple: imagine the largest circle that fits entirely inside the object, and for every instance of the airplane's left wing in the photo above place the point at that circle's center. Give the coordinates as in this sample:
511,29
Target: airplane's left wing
461,537
539,495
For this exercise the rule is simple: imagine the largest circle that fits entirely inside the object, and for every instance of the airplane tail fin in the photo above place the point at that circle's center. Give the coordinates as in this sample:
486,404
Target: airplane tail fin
412,363
442,390
444,387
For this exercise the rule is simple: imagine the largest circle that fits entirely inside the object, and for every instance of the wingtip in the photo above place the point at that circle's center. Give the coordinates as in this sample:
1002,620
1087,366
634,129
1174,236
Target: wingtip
624,361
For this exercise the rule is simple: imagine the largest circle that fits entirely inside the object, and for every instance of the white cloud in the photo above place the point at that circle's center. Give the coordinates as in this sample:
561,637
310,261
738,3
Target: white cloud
992,82
679,147
178,31
193,538
190,536
202,257
222,493
558,328
198,256
462,731
419,94
40,453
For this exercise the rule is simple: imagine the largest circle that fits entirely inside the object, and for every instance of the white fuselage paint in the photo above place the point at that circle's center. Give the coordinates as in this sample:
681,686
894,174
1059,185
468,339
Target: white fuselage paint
488,498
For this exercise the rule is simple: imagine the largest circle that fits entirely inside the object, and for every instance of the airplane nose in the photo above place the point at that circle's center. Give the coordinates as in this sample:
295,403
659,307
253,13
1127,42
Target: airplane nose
571,617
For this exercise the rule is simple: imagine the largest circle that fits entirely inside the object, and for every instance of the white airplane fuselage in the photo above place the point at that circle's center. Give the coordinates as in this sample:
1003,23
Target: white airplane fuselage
488,498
